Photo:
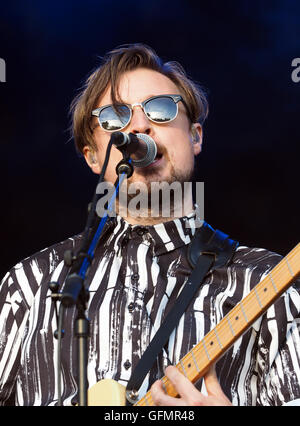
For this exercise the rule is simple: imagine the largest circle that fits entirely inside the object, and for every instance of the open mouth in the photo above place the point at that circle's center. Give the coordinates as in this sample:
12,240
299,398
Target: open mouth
159,155
156,162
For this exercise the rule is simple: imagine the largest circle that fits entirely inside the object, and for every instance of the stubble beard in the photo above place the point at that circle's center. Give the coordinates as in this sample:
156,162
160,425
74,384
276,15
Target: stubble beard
150,187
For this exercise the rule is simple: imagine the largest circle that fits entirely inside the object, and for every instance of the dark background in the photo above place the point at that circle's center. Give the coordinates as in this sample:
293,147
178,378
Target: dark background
240,51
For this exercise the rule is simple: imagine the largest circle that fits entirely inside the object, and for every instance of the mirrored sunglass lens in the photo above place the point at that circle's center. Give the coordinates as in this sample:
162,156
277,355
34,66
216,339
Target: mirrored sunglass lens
161,109
114,118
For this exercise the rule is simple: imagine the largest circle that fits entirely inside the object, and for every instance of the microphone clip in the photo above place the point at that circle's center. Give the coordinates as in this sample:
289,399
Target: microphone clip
125,166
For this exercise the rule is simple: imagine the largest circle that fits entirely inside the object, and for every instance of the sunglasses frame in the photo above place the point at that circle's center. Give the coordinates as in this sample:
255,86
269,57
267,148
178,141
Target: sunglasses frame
176,98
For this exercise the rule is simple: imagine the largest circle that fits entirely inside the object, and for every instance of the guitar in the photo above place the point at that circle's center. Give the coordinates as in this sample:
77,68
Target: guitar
198,360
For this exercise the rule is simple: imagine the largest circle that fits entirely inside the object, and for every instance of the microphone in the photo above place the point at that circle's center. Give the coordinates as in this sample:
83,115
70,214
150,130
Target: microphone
141,148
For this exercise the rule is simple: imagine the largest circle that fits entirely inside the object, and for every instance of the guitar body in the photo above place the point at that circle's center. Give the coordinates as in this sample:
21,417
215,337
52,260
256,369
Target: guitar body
107,392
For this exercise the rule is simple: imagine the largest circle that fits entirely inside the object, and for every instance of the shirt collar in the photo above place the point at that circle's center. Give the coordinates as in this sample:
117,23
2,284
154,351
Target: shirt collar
164,236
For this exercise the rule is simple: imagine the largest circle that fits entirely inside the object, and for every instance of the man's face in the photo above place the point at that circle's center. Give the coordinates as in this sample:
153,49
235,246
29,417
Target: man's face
175,140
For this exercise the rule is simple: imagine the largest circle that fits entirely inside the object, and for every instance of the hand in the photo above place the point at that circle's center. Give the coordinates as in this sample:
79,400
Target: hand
188,393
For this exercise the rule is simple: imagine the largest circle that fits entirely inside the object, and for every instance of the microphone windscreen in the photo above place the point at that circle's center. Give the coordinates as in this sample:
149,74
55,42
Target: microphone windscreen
150,152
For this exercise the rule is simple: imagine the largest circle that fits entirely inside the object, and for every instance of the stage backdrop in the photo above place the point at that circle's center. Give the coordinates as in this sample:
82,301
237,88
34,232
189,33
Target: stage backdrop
244,53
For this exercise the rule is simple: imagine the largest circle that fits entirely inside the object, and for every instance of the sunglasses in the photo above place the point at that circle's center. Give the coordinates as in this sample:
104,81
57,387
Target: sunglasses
159,109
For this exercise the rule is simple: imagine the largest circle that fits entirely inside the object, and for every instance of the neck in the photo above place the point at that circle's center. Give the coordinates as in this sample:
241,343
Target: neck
149,216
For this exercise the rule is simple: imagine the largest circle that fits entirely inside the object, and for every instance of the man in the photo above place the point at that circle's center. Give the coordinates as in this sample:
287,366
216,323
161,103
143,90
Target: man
141,266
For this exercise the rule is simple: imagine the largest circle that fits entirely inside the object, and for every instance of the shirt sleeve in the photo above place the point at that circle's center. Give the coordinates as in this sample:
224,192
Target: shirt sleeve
278,357
13,317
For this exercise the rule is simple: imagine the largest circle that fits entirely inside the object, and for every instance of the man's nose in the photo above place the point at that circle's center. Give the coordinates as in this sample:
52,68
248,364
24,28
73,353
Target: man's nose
139,122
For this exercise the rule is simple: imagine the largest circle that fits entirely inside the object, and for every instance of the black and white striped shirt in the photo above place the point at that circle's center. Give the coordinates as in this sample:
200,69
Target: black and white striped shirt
136,276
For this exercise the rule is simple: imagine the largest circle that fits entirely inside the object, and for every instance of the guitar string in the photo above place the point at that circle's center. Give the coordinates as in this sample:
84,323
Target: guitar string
249,301
223,328
260,286
276,271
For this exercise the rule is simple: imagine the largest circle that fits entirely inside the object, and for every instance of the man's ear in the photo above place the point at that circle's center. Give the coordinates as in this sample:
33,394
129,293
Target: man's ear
196,130
91,159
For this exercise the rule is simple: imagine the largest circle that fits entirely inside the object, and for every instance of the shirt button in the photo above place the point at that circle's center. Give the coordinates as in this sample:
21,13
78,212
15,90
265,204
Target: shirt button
141,231
127,364
135,277
131,307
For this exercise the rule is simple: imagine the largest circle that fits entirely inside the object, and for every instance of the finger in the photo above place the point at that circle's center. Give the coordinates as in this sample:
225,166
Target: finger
187,391
212,384
160,398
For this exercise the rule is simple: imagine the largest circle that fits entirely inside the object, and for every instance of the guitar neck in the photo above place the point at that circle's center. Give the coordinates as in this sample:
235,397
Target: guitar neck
196,362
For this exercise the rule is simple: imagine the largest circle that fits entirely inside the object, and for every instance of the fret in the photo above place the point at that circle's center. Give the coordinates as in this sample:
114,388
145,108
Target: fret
230,326
236,320
266,291
284,270
188,364
146,400
206,351
183,369
219,339
257,297
273,282
243,311
211,344
252,305
289,267
217,336
195,362
293,259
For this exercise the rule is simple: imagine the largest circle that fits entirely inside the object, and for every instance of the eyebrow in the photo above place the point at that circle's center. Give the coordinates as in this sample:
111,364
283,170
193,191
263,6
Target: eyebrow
147,97
125,103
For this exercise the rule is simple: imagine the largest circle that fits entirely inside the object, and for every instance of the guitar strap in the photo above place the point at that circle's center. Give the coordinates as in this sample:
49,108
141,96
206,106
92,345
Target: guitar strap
208,250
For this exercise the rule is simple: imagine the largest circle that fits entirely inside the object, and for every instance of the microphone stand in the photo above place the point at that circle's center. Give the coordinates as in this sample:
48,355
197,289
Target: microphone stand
75,290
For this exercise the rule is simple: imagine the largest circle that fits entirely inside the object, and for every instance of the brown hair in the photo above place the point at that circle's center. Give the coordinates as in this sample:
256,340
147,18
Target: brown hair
114,64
